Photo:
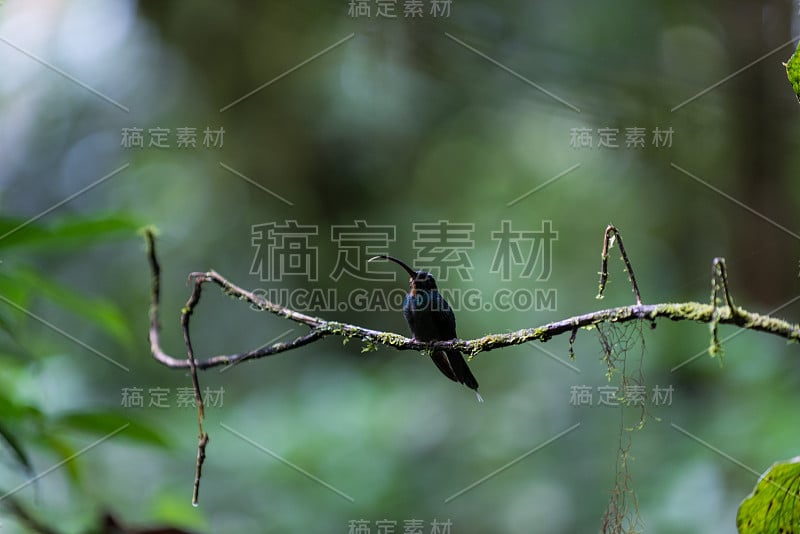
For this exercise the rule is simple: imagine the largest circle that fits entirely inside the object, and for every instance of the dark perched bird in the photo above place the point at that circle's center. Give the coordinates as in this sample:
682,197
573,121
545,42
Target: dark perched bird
430,318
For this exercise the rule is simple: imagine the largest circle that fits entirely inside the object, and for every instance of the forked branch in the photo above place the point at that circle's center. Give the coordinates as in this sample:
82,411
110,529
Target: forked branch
320,328
712,313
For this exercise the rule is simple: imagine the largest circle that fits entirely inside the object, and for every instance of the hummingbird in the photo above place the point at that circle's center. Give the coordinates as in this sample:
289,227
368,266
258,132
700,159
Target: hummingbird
430,318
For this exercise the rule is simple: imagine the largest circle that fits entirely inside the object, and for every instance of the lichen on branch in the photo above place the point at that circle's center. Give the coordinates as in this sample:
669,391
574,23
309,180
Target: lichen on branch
721,310
320,328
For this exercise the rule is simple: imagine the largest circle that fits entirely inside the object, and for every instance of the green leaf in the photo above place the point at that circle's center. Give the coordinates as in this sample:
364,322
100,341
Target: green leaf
11,289
20,420
65,450
774,505
9,326
18,396
66,233
16,447
102,313
793,71
103,423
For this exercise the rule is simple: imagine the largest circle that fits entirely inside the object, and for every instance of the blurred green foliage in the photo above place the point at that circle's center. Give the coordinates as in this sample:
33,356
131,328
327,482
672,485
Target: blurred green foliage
31,427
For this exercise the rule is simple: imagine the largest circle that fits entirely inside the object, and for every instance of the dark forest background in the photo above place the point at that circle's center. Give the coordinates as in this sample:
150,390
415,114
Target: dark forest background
465,117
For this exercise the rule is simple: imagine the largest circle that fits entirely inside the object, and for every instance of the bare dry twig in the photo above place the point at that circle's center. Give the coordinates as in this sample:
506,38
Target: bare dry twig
611,235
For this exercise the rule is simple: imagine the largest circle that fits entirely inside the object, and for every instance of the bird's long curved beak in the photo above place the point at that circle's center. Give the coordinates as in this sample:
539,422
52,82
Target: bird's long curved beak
411,272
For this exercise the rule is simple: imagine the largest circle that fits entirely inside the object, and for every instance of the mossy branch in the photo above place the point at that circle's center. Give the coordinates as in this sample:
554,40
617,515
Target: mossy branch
721,310
319,328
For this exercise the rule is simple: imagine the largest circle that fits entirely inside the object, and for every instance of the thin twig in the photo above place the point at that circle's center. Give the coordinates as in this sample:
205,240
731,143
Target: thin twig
186,314
609,237
202,437
719,283
572,337
155,297
201,458
719,277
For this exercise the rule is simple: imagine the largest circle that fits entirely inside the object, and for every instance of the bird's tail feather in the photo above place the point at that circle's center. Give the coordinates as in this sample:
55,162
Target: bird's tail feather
441,360
461,369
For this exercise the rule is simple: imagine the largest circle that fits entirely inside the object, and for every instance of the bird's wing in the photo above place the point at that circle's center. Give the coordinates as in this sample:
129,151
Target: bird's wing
444,320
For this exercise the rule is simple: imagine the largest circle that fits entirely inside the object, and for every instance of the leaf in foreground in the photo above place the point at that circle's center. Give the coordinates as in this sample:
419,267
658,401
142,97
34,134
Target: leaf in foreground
774,505
793,71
